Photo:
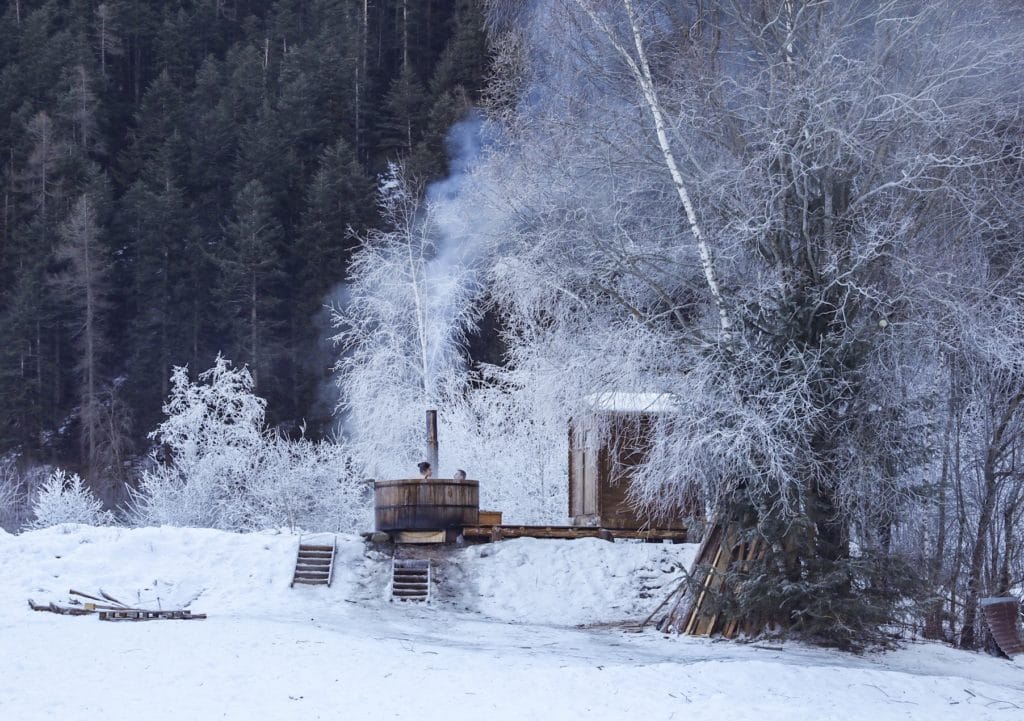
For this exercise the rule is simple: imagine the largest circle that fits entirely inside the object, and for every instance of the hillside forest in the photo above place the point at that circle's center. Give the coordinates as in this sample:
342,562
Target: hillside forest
182,179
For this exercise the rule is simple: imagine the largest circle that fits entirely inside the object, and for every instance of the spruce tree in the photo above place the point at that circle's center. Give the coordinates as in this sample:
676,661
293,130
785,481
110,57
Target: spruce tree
250,278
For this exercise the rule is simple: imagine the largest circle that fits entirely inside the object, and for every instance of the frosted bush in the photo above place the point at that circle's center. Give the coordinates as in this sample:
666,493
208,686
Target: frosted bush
311,485
11,497
222,468
64,499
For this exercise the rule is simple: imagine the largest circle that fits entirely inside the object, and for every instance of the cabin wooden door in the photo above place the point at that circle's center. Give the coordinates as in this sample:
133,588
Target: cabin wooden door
590,471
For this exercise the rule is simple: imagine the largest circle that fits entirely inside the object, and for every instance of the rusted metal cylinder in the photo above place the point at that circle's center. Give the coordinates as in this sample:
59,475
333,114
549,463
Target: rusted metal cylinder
1001,614
425,505
432,443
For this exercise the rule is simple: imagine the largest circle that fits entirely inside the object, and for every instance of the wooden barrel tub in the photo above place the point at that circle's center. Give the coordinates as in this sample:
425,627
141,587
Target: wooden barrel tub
414,504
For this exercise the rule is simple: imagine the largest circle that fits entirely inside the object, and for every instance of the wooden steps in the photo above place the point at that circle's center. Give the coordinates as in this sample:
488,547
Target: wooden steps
314,564
410,580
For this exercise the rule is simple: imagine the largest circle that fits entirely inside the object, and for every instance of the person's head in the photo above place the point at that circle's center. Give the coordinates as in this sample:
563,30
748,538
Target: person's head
460,475
425,469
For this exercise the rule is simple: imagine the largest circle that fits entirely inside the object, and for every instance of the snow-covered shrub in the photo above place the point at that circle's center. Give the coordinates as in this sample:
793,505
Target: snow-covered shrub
12,500
307,484
222,468
19,485
66,499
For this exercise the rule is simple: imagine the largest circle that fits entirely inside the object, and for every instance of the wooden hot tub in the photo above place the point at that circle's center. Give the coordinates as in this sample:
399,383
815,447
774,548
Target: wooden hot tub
414,504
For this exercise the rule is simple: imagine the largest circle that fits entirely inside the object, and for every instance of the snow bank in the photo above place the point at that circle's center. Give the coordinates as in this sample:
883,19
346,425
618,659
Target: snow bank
527,580
202,569
275,653
586,581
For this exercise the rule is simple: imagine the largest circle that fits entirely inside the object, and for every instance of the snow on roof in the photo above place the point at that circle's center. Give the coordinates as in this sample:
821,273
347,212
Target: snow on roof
623,402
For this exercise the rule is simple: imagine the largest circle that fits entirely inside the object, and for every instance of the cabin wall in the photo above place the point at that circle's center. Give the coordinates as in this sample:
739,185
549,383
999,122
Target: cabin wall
601,469
585,468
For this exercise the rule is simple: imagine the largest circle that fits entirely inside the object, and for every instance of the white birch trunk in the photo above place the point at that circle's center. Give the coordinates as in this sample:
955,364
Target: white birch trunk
641,71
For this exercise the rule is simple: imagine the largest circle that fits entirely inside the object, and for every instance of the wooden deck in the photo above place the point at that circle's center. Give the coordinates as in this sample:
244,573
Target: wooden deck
498,533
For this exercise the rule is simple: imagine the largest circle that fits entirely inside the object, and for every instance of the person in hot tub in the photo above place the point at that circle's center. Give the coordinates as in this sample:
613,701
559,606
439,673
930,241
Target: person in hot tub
425,470
460,475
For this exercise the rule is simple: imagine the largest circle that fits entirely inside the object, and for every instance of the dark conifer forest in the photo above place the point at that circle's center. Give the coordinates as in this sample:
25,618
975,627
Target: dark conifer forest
187,178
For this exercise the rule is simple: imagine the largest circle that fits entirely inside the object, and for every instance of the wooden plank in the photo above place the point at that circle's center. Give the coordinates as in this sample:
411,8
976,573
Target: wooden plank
567,532
746,559
732,547
695,609
1001,614
420,537
133,614
62,610
684,610
490,518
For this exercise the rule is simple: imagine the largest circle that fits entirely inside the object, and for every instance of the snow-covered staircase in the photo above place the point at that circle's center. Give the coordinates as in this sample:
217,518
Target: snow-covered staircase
314,565
410,580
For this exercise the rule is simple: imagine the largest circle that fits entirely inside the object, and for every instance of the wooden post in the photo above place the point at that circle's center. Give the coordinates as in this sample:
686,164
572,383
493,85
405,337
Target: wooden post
432,441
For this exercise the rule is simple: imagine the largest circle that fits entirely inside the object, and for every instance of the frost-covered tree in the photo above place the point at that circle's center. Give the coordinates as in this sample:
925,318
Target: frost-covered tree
401,330
762,208
512,438
209,446
66,499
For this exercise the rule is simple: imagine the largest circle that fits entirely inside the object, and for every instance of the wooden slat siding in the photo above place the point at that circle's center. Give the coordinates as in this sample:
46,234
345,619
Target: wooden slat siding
626,447
593,472
575,508
425,505
1001,615
600,474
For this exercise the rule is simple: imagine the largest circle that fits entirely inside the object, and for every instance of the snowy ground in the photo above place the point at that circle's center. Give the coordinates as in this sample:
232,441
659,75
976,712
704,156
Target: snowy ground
500,642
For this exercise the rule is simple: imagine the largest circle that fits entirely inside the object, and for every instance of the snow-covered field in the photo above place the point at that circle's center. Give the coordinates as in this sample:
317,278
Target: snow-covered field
518,630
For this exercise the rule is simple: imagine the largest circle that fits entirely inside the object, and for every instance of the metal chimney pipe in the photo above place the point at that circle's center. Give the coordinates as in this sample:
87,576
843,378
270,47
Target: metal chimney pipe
432,441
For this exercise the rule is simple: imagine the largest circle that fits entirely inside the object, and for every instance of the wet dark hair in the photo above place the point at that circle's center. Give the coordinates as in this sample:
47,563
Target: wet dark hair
423,466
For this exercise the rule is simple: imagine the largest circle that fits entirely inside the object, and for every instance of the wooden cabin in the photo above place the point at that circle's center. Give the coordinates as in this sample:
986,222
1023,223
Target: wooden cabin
605,445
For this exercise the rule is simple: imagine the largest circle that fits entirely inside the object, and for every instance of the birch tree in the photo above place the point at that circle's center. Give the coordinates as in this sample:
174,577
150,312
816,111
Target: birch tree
400,331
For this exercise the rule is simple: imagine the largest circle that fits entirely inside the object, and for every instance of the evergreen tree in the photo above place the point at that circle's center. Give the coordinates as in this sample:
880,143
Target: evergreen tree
169,112
250,278
83,283
339,202
166,279
404,108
